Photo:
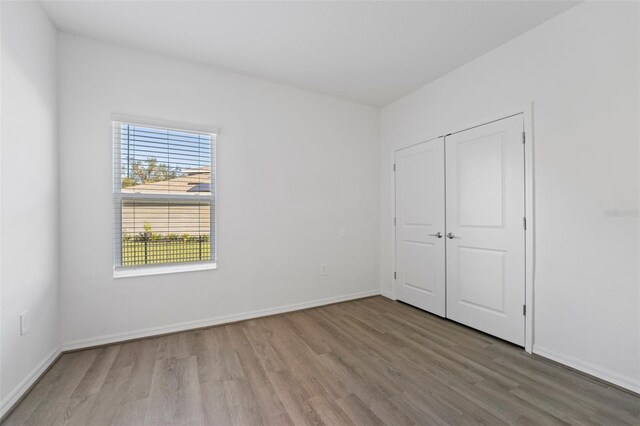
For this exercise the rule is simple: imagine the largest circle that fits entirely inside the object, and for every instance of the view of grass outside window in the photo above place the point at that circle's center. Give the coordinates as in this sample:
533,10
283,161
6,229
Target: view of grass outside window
163,196
180,241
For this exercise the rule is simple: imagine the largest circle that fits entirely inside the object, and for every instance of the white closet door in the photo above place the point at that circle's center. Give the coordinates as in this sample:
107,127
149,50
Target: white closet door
420,252
485,228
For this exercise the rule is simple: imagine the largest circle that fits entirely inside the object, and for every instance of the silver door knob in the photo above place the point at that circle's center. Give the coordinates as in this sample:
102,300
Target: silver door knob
437,234
450,236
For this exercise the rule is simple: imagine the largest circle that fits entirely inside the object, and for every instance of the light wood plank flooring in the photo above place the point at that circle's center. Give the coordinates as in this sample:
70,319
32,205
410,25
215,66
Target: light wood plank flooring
367,362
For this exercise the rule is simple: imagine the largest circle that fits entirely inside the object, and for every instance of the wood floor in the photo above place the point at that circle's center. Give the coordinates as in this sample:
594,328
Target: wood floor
367,362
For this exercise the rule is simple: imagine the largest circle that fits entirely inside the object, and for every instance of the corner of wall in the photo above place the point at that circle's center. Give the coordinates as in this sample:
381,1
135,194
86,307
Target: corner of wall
31,44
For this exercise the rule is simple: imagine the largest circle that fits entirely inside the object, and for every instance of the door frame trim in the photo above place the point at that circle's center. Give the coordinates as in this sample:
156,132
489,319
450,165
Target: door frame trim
529,173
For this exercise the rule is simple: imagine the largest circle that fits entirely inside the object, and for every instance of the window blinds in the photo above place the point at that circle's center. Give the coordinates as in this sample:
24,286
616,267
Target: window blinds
164,195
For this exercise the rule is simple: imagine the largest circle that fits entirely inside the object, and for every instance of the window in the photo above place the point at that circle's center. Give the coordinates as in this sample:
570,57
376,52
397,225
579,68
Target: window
164,198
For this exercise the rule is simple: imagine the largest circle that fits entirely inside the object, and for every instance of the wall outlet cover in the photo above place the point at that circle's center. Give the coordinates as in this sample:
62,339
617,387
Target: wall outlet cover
324,269
25,323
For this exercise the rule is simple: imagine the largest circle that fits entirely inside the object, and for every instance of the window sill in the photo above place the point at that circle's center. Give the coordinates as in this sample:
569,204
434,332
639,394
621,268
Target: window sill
144,271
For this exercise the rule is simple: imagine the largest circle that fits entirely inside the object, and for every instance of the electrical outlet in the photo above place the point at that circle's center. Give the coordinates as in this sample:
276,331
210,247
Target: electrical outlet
324,269
25,323
342,233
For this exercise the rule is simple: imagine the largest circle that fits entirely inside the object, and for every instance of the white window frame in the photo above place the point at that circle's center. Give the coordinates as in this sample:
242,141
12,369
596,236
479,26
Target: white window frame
118,197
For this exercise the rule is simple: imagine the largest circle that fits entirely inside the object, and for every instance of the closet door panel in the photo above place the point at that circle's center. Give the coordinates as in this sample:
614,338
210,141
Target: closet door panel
420,247
485,228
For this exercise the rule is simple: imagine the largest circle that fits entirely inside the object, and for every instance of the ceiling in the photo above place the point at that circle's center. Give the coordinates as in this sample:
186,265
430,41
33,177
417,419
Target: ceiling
368,52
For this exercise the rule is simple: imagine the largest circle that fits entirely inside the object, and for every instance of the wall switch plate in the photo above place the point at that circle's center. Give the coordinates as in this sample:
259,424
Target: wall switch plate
342,232
25,323
324,269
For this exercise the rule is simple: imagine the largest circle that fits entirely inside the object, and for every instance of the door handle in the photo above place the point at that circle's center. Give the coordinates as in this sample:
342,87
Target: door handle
437,234
451,236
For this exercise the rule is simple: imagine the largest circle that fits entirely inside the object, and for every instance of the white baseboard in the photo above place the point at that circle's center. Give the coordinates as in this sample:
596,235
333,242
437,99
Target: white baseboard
589,368
388,294
120,337
19,391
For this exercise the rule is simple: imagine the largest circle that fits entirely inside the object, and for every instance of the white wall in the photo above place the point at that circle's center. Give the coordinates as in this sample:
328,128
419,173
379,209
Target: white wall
29,216
581,70
293,168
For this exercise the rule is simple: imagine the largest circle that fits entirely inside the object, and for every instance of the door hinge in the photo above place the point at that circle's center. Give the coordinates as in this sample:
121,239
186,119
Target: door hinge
394,221
523,137
524,222
524,310
394,167
394,275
